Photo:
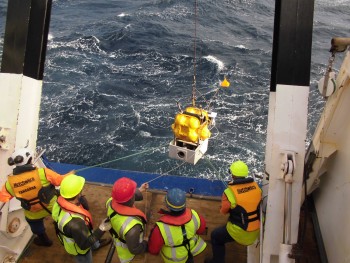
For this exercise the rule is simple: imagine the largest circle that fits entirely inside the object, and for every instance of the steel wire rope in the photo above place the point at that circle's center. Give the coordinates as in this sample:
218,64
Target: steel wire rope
194,84
166,173
219,177
216,134
212,98
202,96
195,55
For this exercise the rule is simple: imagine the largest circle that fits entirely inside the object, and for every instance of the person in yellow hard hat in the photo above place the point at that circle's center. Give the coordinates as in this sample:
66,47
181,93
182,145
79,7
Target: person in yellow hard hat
241,200
34,188
73,222
128,222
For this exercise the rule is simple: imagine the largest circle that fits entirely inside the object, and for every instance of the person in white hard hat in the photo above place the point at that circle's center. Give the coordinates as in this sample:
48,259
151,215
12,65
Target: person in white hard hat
35,189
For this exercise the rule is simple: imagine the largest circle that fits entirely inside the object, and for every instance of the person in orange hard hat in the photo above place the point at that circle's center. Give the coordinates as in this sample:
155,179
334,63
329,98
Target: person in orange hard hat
241,200
128,222
34,188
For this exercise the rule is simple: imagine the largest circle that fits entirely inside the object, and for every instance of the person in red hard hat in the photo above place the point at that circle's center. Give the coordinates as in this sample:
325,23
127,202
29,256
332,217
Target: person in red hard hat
176,234
241,200
128,222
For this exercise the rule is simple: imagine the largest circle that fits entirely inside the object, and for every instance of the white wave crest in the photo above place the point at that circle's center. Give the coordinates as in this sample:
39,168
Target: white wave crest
218,62
241,47
145,134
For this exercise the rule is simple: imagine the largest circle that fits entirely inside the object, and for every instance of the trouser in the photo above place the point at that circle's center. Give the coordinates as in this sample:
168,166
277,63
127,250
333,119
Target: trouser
96,245
37,226
87,258
201,256
219,237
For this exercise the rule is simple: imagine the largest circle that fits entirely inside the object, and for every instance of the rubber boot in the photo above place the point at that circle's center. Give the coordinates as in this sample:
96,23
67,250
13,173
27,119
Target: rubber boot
43,240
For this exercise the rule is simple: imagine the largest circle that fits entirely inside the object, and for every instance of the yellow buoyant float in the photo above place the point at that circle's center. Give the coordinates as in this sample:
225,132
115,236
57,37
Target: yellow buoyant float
191,125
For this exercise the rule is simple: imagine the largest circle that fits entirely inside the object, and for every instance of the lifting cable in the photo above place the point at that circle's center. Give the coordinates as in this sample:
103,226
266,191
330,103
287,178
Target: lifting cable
166,173
194,58
194,84
219,177
212,98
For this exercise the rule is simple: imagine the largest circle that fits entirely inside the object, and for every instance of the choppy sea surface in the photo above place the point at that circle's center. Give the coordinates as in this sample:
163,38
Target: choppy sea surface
116,69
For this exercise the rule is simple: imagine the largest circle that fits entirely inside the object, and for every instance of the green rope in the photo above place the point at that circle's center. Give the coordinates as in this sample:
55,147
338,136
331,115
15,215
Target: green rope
161,175
118,159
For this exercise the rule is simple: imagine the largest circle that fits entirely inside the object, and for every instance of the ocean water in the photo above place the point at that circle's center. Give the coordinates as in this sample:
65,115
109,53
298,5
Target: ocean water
115,71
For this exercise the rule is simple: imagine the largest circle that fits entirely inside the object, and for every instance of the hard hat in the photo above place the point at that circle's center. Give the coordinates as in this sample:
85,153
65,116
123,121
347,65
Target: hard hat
239,169
20,157
175,199
123,190
71,185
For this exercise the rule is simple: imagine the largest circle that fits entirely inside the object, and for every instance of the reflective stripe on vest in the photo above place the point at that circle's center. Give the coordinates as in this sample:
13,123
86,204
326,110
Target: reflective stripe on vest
174,249
121,224
245,199
63,219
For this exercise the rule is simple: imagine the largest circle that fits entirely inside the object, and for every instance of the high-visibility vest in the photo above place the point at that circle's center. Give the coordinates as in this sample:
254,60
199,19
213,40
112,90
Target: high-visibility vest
180,239
244,221
62,217
25,187
121,223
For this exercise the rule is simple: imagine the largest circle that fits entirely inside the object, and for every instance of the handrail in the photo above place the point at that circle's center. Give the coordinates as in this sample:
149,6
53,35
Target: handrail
340,44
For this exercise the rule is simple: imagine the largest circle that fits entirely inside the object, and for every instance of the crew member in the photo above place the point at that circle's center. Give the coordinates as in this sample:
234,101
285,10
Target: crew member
35,189
73,222
128,222
241,200
176,233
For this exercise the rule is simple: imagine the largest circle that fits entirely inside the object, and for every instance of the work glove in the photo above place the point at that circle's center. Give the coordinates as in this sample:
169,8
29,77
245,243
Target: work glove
105,225
143,187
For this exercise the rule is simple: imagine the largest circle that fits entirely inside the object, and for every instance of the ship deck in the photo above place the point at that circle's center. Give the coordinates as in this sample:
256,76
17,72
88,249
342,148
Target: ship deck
153,201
